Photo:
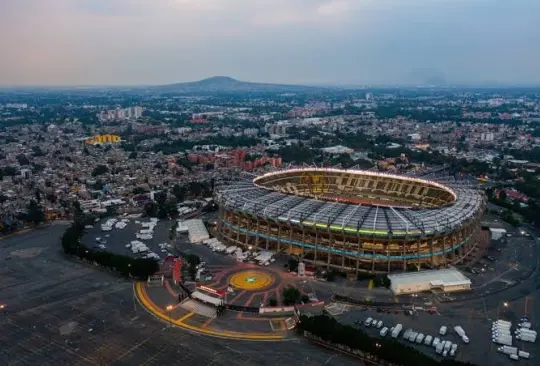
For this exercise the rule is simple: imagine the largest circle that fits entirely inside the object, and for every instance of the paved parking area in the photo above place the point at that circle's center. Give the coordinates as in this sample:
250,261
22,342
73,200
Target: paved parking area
513,261
61,312
480,351
207,255
116,239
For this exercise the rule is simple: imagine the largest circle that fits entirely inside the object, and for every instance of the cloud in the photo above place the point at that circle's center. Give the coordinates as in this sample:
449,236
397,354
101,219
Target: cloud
333,7
345,41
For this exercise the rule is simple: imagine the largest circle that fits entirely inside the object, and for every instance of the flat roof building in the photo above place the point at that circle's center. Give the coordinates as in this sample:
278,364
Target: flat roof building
446,280
497,233
196,230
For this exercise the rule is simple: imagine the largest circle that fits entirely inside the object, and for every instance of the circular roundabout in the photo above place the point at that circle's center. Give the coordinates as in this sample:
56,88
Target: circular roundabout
251,280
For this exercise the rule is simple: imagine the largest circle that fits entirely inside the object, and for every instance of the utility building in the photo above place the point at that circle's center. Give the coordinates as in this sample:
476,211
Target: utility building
444,280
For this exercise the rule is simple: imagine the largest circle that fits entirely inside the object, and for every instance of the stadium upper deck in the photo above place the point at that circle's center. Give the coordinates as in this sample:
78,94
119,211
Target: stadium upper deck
356,202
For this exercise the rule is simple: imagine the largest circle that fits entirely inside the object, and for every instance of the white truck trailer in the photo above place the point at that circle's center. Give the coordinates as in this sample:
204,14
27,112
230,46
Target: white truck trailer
397,330
508,350
459,330
526,337
507,341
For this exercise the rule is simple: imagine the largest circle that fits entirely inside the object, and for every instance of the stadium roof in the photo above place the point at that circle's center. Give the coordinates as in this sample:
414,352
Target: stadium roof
386,220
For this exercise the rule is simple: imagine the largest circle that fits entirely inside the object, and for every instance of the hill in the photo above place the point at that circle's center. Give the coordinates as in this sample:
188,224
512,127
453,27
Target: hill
228,84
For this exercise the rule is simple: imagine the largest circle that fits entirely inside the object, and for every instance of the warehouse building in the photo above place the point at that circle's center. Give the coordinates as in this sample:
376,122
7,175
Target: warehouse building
444,280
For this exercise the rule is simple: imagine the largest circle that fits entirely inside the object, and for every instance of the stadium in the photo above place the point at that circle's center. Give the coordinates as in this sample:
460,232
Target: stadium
354,220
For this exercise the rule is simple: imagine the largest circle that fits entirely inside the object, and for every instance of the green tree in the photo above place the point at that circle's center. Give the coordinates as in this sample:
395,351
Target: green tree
139,190
35,213
193,260
179,192
291,296
22,159
151,209
292,264
36,151
185,163
99,170
160,198
9,171
381,281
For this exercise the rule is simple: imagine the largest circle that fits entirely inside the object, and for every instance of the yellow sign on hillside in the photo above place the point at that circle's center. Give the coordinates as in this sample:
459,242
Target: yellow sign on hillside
103,139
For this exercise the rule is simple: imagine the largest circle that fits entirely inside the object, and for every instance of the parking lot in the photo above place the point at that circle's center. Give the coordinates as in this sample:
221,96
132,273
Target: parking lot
62,312
480,350
115,240
507,263
206,254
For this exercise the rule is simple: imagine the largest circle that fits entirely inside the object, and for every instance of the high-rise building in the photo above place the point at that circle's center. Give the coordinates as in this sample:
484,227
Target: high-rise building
121,114
134,112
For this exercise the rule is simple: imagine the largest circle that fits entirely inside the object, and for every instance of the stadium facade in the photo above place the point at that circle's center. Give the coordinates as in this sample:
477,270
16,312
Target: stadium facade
354,220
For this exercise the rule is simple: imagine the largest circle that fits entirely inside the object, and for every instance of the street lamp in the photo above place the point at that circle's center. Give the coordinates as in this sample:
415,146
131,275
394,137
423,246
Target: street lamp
505,304
169,308
3,309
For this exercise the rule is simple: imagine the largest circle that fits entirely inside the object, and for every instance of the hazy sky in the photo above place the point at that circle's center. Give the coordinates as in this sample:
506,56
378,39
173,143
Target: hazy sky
59,42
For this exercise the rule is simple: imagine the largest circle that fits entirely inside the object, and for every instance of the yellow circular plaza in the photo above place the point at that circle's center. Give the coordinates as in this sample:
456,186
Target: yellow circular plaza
251,280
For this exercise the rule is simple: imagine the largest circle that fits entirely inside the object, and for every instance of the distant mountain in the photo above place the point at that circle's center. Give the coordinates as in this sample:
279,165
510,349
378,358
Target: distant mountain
228,84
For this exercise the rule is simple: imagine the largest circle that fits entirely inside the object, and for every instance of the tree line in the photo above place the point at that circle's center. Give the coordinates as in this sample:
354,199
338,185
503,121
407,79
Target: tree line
529,212
386,350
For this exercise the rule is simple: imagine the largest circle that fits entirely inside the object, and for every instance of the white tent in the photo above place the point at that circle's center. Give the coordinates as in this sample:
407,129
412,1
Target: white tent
197,231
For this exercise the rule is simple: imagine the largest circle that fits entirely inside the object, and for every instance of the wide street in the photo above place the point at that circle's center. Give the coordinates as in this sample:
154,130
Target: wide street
61,312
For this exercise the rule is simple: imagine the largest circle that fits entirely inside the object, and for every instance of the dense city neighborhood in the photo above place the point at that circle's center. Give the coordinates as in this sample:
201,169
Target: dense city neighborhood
109,154
369,222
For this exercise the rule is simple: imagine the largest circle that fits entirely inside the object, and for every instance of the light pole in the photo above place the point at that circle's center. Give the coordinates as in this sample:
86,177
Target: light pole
3,308
169,308
415,295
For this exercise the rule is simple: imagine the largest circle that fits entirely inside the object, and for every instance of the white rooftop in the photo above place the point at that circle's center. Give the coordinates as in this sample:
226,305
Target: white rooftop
449,276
